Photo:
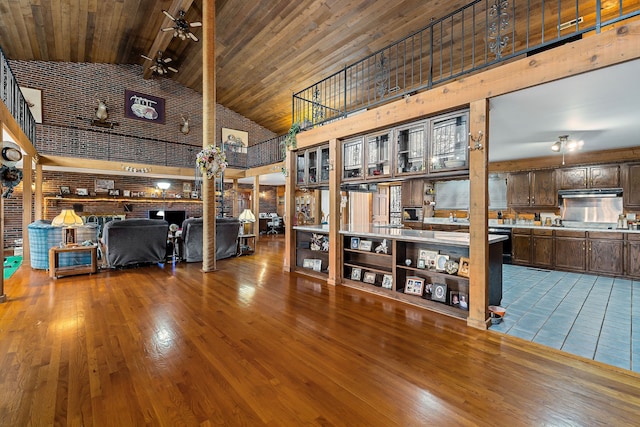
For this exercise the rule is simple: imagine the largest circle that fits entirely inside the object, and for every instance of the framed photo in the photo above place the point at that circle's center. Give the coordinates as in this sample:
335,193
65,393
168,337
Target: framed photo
143,107
126,193
421,263
463,267
429,258
414,285
355,243
369,277
365,245
235,140
387,281
463,301
114,192
82,191
34,101
439,292
65,190
441,260
356,274
317,265
69,236
104,185
428,289
186,187
308,263
454,298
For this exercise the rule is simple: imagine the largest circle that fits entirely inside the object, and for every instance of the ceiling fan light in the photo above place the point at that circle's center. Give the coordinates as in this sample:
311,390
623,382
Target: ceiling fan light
556,146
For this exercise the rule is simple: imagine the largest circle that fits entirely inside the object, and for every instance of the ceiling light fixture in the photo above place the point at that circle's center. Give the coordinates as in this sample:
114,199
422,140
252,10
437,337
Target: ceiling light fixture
563,144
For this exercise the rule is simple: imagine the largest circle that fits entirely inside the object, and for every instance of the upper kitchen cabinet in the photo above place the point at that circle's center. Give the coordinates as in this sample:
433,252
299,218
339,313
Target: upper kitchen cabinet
449,142
352,156
532,189
410,149
601,176
379,154
412,193
312,166
631,188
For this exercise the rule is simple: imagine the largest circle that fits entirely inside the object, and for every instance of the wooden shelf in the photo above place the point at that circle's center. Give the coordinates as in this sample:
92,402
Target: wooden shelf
122,199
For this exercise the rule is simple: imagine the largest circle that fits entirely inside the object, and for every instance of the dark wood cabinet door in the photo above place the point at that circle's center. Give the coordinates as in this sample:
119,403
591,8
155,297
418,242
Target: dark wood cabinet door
605,256
572,178
543,188
570,253
412,193
518,186
632,186
632,256
604,176
543,251
521,249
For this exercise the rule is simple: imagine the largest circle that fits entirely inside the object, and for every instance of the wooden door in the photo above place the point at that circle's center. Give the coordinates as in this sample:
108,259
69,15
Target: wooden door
606,255
573,178
518,187
542,252
632,255
604,176
543,188
380,208
521,248
570,253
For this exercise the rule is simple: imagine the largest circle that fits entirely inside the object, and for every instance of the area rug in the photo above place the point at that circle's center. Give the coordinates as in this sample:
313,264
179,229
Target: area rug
11,264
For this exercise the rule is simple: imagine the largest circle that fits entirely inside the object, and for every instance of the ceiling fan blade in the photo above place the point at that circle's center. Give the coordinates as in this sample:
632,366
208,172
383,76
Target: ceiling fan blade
167,60
168,15
193,37
196,24
147,58
167,29
172,69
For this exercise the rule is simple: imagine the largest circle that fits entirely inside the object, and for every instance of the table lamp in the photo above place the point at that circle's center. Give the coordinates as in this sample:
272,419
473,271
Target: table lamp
246,217
69,220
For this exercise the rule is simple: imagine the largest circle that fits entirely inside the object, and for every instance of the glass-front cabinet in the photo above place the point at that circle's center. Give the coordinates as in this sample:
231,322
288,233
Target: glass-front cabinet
449,142
352,156
312,166
301,168
410,149
323,152
379,154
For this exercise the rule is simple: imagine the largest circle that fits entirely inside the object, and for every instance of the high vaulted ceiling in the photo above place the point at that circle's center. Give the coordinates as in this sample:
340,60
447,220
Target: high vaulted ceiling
266,49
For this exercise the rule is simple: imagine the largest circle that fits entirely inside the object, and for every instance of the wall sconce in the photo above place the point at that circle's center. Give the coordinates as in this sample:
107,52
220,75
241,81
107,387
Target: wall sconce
476,141
164,186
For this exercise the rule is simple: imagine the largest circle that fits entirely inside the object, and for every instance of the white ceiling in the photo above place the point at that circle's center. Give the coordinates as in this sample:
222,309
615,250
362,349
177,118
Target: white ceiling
599,107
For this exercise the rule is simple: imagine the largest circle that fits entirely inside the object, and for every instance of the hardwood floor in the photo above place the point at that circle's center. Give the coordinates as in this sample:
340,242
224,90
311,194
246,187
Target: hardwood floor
251,345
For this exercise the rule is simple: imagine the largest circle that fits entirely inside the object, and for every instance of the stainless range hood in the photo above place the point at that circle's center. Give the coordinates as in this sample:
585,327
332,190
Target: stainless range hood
588,193
592,205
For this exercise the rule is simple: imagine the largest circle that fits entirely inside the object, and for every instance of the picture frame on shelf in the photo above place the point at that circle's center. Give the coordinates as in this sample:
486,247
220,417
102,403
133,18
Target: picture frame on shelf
439,292
454,298
421,263
317,264
307,263
463,267
65,190
387,281
126,193
463,301
429,258
104,185
365,245
355,243
356,273
369,277
428,289
82,191
414,285
441,262
114,192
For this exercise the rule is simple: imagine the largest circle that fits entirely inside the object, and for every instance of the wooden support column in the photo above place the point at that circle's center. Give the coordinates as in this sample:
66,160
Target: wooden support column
255,204
289,197
235,210
208,132
478,211
38,197
27,197
335,247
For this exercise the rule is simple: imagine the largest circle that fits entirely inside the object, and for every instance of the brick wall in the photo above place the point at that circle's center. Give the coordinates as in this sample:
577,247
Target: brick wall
69,98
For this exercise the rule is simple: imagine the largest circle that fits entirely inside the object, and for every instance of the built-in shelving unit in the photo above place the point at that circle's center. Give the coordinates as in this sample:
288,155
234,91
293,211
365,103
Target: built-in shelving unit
312,252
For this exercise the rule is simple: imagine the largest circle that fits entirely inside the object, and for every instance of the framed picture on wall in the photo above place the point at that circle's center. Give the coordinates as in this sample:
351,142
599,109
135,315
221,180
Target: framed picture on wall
143,107
65,190
234,140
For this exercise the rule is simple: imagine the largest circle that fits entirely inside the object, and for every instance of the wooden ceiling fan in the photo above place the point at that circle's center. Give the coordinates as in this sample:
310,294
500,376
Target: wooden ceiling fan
181,27
160,66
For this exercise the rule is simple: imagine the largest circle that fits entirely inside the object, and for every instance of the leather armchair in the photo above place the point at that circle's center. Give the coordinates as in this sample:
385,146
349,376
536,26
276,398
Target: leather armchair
227,231
135,241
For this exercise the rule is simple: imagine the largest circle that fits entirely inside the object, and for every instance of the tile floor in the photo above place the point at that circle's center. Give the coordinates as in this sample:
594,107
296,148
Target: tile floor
587,315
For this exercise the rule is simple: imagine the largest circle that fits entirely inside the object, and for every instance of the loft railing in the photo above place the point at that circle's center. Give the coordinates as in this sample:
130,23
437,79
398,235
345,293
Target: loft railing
474,37
12,97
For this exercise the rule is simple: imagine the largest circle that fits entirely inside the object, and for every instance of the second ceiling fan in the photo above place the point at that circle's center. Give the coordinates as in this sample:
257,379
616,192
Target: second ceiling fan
160,66
181,26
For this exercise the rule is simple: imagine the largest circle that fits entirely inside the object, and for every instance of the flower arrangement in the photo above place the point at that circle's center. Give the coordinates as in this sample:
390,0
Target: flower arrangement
211,161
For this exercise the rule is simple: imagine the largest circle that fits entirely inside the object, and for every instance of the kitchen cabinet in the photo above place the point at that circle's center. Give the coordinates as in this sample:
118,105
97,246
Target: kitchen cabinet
631,186
449,142
571,249
605,252
632,255
521,244
601,176
542,248
412,193
410,149
379,155
312,166
352,155
532,189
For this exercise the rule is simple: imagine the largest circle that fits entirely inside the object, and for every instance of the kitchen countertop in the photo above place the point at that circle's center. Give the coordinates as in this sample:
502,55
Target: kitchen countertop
409,235
493,223
323,228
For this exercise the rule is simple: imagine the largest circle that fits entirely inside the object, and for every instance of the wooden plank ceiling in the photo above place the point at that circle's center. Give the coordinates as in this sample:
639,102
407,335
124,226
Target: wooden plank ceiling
266,49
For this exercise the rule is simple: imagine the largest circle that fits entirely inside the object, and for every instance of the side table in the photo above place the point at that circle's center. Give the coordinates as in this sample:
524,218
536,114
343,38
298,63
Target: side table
56,271
243,244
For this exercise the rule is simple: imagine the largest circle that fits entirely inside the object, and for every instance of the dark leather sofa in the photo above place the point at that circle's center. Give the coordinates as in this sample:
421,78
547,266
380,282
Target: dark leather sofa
227,230
135,241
